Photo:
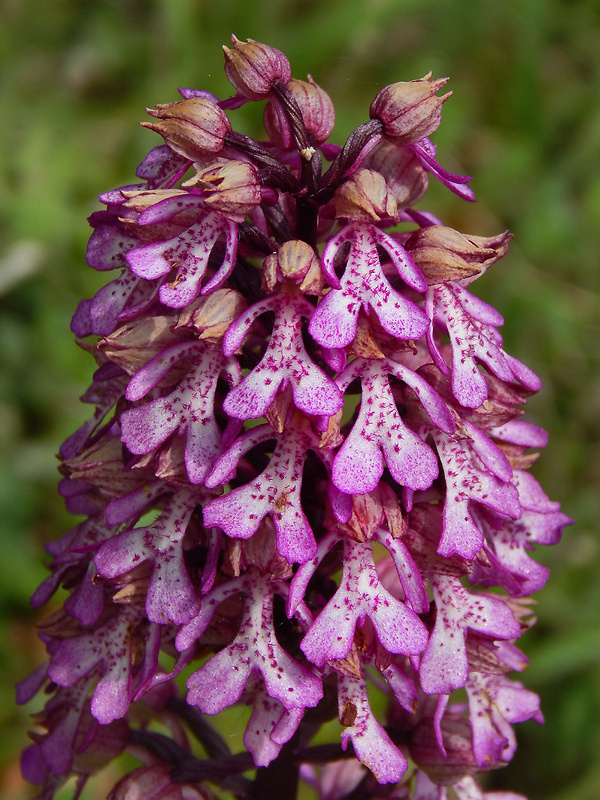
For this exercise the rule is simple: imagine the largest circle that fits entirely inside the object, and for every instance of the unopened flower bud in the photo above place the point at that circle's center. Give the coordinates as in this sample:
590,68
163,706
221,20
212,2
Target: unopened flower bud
135,343
252,67
444,769
210,316
318,114
409,110
402,170
443,254
192,127
365,197
231,188
295,260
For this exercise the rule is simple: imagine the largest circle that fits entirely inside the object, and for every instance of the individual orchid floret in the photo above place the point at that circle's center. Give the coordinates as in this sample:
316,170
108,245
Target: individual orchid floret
361,595
189,254
253,67
285,362
121,299
379,431
372,745
541,522
410,110
194,127
188,409
220,682
171,596
476,470
444,666
276,491
363,285
61,719
471,327
107,650
494,703
73,557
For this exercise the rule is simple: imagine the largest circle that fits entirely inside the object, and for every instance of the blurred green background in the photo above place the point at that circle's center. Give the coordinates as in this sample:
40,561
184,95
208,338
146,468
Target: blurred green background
524,120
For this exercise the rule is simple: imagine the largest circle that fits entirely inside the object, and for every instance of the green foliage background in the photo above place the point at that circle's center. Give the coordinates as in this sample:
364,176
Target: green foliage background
524,120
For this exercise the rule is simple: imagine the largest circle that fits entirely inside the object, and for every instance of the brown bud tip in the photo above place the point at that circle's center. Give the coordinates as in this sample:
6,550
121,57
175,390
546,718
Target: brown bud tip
252,67
409,110
365,197
210,316
443,254
192,127
231,187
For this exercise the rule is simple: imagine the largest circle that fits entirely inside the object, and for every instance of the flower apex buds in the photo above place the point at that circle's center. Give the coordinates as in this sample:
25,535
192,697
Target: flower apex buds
365,197
192,127
409,110
252,67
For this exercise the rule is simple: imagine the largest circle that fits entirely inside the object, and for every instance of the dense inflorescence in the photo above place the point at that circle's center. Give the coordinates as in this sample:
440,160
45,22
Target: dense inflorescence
305,484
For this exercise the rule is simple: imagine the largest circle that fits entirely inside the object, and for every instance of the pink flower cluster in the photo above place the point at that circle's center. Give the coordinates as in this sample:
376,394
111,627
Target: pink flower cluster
305,472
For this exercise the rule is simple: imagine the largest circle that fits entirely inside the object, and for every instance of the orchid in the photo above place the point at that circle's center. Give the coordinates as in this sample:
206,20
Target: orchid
305,471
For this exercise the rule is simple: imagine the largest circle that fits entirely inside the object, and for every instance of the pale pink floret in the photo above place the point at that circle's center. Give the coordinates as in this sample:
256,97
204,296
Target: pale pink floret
380,431
494,703
106,649
476,470
187,410
220,682
189,254
285,362
541,522
473,337
171,596
361,595
444,666
363,285
276,491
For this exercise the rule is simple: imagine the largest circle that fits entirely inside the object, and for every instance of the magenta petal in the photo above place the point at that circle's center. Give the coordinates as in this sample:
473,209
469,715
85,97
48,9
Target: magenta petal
363,284
444,666
372,745
360,594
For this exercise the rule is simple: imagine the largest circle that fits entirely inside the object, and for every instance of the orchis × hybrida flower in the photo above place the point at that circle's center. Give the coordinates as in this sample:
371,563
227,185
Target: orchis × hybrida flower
305,474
